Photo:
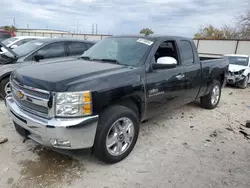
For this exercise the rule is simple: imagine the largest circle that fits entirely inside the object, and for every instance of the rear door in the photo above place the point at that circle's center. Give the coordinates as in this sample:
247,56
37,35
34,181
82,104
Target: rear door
165,88
193,70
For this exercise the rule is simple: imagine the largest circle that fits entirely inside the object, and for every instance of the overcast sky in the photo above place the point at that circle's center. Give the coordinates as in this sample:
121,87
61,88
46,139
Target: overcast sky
169,17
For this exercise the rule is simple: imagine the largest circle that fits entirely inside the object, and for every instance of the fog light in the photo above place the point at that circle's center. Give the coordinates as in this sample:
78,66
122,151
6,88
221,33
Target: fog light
60,143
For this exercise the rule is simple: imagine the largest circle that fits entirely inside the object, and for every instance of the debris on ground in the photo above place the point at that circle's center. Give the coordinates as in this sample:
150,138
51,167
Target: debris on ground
214,134
185,144
191,126
247,136
248,124
207,140
230,93
3,140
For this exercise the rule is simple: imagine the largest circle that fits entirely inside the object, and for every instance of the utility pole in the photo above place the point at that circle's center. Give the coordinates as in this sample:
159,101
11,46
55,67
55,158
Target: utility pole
77,27
14,22
96,28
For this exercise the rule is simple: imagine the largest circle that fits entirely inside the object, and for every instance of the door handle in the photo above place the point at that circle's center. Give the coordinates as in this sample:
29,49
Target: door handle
180,76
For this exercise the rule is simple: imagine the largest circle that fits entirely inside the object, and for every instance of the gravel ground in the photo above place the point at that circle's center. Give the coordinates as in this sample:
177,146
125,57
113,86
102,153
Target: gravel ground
188,147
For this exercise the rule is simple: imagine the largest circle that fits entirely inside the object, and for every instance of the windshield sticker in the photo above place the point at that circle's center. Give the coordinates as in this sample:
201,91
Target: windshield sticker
38,43
241,59
145,41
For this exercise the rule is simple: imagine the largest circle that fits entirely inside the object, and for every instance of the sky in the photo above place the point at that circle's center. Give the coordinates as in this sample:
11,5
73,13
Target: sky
164,17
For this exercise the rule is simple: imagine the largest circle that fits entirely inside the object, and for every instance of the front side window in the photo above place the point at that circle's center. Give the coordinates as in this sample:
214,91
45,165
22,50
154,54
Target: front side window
76,48
187,55
52,50
243,61
125,51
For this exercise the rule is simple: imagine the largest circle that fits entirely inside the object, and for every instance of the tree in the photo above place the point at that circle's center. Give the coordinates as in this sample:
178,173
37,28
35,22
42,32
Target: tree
209,32
10,28
146,31
244,22
240,31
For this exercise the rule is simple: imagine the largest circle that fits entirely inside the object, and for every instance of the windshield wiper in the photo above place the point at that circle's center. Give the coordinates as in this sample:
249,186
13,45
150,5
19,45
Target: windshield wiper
108,60
85,57
104,60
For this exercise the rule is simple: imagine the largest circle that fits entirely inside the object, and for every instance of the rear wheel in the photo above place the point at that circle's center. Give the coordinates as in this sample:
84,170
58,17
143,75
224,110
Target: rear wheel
212,99
5,87
117,134
245,83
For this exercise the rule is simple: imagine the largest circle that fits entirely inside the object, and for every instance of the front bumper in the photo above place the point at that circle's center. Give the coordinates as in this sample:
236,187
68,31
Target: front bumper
62,133
235,79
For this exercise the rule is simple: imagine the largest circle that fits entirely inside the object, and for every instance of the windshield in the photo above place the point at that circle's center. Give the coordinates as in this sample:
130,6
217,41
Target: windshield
125,51
243,61
26,48
9,40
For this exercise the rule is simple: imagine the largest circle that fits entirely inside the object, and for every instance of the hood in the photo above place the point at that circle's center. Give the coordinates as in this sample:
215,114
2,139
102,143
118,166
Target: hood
9,50
6,59
60,75
236,68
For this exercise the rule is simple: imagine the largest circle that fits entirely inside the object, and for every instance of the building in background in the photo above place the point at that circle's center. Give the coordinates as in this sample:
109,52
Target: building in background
59,33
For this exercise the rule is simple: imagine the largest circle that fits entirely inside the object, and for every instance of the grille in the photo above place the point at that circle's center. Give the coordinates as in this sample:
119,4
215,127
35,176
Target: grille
31,92
28,106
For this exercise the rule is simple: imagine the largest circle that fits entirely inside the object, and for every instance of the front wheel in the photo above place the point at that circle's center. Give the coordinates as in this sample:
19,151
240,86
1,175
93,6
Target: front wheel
212,99
5,87
117,134
245,83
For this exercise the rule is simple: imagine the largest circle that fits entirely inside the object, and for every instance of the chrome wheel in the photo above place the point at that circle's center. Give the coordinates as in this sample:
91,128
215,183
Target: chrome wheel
215,95
7,88
120,136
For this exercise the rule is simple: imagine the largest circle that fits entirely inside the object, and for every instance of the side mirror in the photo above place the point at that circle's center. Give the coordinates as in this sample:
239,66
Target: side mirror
165,63
13,46
38,57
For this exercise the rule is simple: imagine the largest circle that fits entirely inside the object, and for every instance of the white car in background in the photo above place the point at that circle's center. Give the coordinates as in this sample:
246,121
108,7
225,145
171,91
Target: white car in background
239,70
14,42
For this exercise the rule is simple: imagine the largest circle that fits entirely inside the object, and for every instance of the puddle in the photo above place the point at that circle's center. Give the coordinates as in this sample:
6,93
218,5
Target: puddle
50,168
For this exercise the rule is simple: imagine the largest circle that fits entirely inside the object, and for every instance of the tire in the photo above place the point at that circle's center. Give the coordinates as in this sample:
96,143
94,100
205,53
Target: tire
107,125
4,83
211,100
245,83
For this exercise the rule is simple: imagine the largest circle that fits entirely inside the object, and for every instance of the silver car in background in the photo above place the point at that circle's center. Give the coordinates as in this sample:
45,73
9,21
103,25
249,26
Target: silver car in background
38,51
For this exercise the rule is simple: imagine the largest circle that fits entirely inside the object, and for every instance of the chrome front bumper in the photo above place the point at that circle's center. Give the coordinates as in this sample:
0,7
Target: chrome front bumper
63,133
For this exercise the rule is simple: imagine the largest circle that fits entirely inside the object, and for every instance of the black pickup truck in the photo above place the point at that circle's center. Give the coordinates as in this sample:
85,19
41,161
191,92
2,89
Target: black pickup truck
98,100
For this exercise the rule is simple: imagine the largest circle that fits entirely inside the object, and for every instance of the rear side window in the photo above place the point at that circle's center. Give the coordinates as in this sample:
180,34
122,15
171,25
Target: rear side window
52,50
186,51
76,48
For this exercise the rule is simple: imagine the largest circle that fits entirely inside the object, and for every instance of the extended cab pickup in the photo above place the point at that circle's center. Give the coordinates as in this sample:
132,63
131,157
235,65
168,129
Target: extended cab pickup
98,100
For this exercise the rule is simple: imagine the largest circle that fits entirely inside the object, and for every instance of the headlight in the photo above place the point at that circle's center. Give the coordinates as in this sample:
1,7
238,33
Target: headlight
73,104
241,71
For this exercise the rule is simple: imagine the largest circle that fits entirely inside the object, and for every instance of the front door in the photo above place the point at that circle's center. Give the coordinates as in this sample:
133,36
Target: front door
165,88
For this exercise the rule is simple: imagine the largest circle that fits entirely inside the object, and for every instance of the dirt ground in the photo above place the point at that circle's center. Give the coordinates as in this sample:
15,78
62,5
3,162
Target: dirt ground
189,147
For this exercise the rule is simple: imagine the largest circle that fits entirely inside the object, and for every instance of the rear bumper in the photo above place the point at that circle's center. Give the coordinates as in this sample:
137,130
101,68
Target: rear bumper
62,133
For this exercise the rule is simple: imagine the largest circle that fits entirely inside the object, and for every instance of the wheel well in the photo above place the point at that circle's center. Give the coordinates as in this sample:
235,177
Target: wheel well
134,103
221,79
5,76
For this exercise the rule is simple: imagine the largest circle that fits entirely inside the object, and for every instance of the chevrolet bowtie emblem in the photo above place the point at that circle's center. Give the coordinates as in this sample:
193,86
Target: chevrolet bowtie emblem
19,94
